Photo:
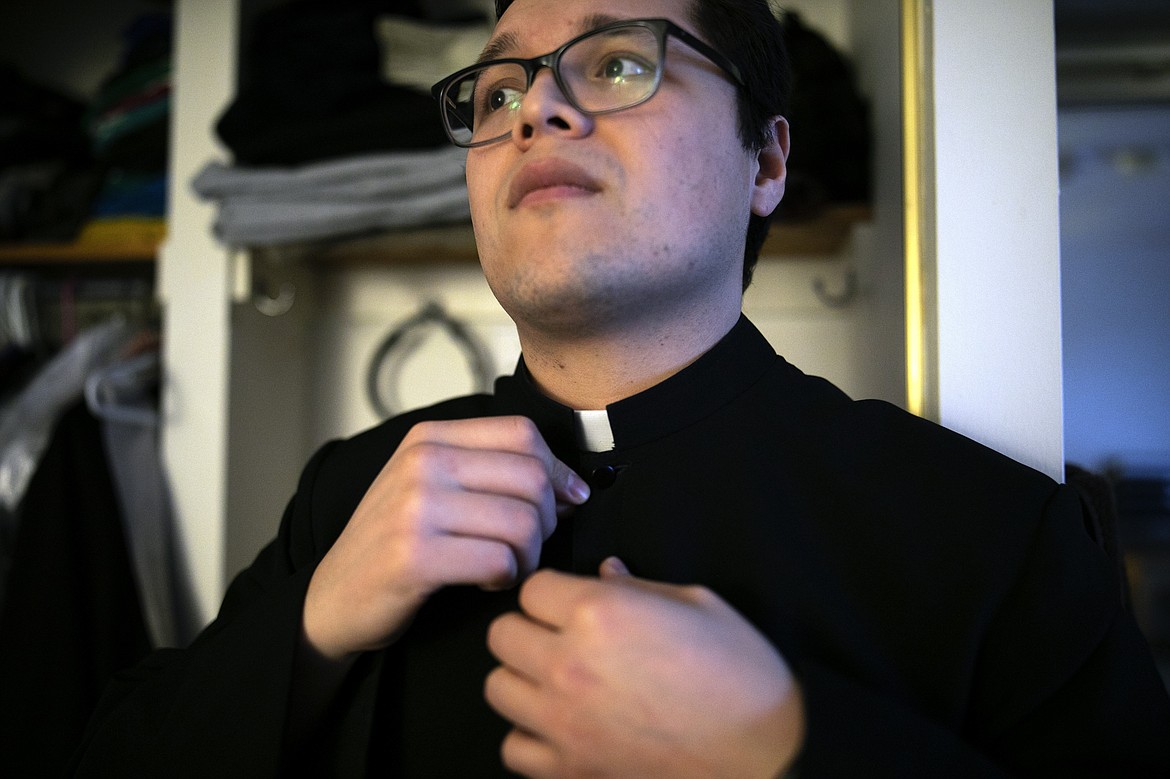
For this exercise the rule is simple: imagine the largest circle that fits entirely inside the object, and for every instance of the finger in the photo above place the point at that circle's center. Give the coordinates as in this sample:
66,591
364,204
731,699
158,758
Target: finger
613,568
524,436
502,518
554,598
514,698
523,645
506,433
551,596
502,473
528,755
451,560
568,486
565,510
445,469
515,434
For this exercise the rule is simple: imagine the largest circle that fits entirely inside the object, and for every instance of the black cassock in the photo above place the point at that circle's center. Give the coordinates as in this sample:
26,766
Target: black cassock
944,607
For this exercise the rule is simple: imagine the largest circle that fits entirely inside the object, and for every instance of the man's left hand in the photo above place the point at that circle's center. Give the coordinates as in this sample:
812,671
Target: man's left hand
622,677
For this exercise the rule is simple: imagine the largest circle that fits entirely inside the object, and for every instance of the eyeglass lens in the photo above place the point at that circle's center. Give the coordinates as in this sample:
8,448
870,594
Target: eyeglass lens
607,71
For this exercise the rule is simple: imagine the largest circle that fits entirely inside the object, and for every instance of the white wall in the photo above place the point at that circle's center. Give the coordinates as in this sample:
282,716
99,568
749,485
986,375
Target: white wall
998,258
194,281
356,309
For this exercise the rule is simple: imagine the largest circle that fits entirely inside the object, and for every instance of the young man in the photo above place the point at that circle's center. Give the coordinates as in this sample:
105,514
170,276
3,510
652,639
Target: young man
816,584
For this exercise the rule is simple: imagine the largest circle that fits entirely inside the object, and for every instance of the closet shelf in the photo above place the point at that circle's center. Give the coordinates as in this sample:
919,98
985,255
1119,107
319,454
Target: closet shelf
823,236
76,253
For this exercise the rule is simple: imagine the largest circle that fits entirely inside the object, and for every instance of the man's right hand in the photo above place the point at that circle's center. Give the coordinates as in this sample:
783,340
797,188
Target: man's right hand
459,502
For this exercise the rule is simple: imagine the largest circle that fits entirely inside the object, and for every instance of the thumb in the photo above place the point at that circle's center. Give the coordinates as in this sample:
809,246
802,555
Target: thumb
613,568
567,485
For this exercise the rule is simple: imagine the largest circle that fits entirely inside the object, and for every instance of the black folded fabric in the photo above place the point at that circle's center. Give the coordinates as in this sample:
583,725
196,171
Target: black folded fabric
148,38
258,133
38,123
832,162
311,89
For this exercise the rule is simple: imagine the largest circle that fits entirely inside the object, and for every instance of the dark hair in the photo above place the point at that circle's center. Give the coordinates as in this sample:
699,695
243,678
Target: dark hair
749,34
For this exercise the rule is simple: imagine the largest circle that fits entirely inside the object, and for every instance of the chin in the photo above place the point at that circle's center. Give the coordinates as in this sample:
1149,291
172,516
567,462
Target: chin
589,291
566,305
582,311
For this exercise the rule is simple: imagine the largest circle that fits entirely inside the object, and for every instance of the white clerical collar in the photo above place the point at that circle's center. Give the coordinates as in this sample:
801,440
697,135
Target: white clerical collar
593,431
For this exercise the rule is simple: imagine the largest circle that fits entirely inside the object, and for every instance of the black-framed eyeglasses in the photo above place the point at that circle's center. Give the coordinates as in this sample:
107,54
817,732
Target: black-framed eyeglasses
612,68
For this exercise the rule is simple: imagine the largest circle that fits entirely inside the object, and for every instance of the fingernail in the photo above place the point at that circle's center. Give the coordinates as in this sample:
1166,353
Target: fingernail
614,566
578,488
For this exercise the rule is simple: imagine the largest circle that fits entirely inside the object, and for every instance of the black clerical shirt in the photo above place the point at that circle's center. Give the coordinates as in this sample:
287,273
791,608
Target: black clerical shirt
943,607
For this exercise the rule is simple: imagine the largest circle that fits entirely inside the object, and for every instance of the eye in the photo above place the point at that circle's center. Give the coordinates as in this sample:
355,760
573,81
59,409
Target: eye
618,68
496,87
503,97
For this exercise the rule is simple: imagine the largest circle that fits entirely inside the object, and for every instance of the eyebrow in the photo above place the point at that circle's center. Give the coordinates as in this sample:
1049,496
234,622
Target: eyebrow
508,42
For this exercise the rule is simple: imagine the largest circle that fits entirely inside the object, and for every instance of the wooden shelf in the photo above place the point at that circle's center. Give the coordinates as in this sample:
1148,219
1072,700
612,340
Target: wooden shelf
75,253
429,245
822,236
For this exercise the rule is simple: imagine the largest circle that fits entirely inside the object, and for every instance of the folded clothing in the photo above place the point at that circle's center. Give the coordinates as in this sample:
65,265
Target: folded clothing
260,132
311,89
339,198
362,178
128,194
130,233
46,201
38,123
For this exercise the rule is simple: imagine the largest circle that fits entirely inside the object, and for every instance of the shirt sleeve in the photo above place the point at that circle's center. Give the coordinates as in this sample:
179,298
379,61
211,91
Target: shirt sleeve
1064,685
218,707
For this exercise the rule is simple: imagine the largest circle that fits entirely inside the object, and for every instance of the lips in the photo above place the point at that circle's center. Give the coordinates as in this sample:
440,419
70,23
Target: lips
554,177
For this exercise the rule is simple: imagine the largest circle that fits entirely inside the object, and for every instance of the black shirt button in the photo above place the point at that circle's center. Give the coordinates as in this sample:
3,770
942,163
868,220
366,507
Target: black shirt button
604,476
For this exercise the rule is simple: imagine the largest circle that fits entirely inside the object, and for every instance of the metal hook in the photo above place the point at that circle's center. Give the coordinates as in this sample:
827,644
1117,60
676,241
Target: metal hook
274,305
840,299
272,295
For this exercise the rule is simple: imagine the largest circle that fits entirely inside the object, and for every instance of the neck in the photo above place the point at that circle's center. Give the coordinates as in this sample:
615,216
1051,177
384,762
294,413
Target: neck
593,369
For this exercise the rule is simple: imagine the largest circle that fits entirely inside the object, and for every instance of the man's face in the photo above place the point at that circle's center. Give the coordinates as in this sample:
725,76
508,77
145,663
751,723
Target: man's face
586,223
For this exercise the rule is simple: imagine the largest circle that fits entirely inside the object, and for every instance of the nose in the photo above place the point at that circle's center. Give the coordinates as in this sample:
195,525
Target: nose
545,109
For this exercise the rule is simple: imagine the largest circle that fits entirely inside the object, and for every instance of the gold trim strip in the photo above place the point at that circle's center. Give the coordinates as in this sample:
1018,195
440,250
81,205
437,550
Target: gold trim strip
918,208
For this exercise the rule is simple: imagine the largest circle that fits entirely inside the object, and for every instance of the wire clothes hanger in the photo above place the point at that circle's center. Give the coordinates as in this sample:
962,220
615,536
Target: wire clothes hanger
386,365
107,388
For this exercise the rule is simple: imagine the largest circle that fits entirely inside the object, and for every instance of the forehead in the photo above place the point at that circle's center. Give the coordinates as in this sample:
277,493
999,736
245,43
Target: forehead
532,27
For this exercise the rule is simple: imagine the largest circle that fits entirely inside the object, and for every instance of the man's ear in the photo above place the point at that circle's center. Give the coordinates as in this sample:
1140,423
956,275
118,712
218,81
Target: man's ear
772,172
